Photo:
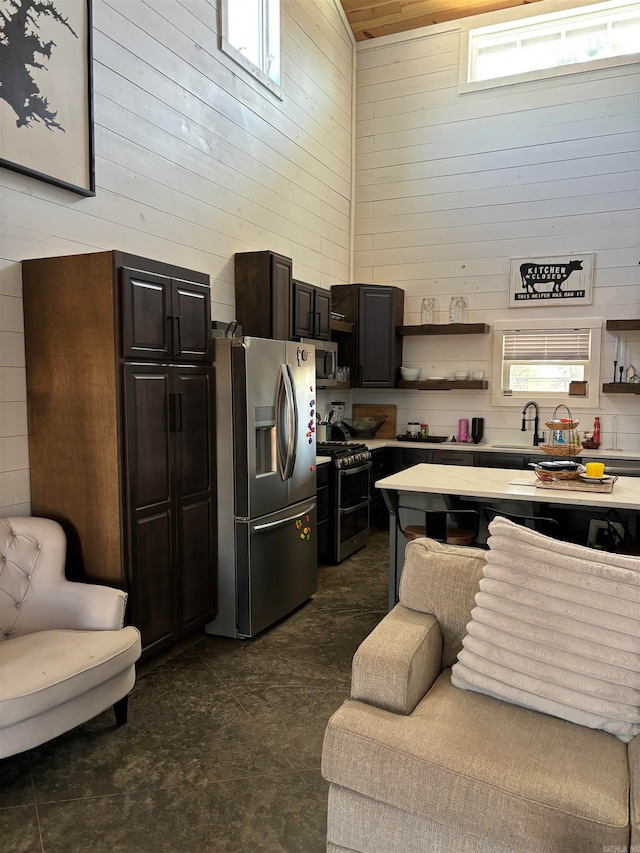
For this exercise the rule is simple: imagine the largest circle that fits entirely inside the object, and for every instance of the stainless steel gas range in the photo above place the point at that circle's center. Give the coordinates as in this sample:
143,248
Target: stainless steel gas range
350,496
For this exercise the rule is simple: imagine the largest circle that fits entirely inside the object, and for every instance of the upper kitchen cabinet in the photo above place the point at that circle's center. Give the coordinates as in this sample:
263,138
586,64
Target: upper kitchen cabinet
164,317
311,311
373,352
121,411
263,287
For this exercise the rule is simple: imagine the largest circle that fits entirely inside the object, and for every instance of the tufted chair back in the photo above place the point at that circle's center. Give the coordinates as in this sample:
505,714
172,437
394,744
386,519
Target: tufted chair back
34,594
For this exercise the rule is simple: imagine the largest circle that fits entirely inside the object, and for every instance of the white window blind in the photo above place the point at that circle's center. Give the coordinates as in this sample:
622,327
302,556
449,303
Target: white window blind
566,345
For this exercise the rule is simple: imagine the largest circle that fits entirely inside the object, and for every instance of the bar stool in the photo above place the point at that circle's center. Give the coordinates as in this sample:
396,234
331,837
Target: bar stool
455,527
543,524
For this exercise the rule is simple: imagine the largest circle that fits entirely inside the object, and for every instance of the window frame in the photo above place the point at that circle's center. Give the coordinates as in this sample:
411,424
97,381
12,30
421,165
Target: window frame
520,16
239,58
502,327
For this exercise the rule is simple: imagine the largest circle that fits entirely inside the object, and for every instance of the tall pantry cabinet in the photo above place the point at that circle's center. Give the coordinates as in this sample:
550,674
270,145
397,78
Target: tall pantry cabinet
120,399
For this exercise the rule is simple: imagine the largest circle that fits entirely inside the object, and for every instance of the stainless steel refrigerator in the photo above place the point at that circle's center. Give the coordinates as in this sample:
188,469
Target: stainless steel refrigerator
266,453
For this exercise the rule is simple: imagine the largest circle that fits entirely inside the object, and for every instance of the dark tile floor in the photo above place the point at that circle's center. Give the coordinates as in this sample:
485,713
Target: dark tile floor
222,749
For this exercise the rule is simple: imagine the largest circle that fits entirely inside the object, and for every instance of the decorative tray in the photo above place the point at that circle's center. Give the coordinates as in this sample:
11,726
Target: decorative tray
427,439
577,485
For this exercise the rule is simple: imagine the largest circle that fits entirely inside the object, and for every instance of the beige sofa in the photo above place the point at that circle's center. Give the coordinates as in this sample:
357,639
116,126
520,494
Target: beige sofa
64,653
417,765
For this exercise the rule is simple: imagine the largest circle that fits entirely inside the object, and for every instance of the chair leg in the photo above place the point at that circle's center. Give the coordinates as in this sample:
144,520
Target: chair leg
120,709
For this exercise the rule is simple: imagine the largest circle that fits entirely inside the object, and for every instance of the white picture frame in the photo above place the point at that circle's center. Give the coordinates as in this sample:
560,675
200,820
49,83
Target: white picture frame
557,280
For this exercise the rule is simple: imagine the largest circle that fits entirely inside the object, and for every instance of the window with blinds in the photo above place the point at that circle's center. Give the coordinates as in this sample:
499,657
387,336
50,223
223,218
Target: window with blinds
561,345
543,363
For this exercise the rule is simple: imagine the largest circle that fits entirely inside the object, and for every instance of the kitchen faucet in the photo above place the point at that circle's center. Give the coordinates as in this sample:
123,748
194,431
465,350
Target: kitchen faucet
537,439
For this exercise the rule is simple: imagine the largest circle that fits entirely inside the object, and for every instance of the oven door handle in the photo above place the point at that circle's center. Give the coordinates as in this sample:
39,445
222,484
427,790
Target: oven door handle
347,472
351,509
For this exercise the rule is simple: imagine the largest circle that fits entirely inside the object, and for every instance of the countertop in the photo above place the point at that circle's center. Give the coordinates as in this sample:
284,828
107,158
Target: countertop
527,450
499,483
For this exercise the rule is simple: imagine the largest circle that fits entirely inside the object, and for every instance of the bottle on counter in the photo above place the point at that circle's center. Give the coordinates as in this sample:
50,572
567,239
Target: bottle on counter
596,431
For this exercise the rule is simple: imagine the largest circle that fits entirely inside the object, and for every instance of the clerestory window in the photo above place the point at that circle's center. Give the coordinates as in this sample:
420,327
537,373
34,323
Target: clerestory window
250,35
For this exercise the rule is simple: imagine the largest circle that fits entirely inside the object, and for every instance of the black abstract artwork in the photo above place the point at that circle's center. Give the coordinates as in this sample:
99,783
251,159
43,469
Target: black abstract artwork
46,98
22,50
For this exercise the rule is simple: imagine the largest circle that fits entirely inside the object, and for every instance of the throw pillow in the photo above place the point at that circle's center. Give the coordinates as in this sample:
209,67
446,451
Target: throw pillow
556,628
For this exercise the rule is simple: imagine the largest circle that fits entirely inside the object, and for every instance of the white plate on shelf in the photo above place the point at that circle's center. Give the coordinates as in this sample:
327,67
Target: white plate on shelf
436,378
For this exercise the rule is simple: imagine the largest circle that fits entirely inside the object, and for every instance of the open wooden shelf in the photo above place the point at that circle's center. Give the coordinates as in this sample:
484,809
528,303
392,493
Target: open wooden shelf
621,388
623,325
335,386
445,385
445,329
341,326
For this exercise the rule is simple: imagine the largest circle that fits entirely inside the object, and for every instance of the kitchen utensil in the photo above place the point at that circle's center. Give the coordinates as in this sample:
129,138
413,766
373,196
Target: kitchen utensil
461,375
477,430
363,427
371,410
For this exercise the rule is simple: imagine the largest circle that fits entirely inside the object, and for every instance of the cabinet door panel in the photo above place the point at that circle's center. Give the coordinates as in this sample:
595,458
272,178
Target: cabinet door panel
149,487
322,327
191,308
280,297
303,310
376,337
146,309
149,457
196,561
152,603
195,491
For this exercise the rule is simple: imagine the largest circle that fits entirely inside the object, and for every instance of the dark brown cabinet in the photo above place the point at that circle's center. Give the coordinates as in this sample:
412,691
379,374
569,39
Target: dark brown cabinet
164,317
122,447
311,311
373,352
264,294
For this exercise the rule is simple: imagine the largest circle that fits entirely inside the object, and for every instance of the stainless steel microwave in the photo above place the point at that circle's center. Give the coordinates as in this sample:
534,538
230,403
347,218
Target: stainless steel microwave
326,361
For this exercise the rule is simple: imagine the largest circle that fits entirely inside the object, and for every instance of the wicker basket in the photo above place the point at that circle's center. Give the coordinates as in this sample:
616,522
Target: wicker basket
549,476
561,449
563,425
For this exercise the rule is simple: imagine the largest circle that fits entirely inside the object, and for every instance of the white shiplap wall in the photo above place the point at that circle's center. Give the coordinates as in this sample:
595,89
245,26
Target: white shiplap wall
194,162
451,186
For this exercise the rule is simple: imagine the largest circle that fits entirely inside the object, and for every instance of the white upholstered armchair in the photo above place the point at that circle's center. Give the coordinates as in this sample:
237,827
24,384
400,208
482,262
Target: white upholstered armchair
64,653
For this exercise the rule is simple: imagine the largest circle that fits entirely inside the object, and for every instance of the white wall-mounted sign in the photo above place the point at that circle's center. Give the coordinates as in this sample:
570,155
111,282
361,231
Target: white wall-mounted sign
554,280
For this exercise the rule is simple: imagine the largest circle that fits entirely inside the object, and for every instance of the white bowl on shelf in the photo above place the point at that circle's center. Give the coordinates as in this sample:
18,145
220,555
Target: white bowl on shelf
460,375
410,374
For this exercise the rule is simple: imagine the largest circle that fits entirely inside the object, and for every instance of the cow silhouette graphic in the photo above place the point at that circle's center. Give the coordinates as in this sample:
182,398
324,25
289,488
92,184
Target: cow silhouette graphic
547,274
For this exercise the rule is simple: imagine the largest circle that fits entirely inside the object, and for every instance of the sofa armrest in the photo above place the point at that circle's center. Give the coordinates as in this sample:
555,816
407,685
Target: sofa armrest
634,781
398,662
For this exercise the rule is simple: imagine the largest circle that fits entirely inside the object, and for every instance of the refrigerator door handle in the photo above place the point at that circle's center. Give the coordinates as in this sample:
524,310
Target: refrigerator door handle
287,413
270,525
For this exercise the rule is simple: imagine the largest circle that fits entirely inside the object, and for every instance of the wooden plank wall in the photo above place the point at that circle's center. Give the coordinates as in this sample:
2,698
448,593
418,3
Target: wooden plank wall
451,186
194,161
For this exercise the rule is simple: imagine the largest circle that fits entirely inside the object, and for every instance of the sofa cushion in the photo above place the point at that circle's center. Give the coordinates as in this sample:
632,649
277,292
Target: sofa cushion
45,669
556,627
486,768
442,580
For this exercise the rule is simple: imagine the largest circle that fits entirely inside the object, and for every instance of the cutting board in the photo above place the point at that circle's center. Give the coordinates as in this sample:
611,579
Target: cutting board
369,410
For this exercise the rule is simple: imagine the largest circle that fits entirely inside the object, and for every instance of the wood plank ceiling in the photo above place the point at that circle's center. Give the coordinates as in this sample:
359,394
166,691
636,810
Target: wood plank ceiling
372,18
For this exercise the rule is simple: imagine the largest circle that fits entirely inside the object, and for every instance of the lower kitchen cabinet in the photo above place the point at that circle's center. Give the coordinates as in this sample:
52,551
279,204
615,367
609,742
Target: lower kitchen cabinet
378,513
169,480
324,509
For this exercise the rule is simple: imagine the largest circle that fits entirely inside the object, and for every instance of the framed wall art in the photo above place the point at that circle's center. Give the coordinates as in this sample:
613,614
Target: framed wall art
46,94
557,280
